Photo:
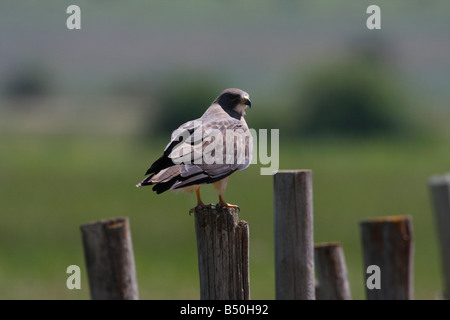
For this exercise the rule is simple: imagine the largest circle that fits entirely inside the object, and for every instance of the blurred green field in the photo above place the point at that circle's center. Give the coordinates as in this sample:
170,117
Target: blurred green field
50,184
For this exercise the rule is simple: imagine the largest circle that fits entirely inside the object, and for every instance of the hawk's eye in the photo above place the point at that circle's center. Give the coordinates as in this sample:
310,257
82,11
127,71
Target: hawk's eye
233,97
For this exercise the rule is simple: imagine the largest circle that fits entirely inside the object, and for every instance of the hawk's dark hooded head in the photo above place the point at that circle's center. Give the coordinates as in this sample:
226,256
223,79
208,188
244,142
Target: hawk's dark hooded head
234,102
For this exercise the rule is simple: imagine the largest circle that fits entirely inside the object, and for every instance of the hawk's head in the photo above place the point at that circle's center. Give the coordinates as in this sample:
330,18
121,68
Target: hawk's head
234,101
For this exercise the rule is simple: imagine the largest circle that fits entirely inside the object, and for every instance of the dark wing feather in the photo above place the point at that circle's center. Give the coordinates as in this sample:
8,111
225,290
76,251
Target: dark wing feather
178,135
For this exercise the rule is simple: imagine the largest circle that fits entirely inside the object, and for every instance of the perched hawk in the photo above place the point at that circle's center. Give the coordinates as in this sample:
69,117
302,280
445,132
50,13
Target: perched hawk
206,150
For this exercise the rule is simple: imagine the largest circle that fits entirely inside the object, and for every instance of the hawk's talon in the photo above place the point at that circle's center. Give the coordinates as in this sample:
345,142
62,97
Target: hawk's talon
199,205
228,205
202,206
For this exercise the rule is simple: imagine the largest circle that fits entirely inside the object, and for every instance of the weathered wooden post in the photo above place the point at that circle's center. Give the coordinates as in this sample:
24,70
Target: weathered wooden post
294,243
223,254
331,272
108,252
388,244
440,194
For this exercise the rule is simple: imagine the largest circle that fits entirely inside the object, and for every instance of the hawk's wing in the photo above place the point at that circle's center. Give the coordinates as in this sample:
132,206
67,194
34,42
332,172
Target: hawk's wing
202,151
213,151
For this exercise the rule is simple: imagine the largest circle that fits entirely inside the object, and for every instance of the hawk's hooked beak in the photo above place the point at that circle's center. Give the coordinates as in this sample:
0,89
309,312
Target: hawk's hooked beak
246,101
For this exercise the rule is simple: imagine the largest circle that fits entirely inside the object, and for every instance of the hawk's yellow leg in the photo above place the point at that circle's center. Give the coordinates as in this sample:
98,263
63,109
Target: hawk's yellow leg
199,201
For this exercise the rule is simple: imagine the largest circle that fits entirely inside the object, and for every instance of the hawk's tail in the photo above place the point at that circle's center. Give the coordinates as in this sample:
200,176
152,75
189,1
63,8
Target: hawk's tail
163,180
146,182
159,187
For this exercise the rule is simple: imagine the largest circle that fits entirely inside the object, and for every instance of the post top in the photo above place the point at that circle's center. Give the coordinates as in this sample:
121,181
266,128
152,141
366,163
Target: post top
440,180
294,171
387,219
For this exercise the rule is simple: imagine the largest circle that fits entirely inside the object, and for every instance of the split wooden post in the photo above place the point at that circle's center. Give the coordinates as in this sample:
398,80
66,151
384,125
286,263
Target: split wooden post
294,241
108,252
331,272
440,194
388,245
223,254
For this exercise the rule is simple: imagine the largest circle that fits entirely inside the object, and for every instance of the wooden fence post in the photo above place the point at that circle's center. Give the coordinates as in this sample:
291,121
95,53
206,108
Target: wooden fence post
388,243
294,243
331,272
440,194
108,252
223,254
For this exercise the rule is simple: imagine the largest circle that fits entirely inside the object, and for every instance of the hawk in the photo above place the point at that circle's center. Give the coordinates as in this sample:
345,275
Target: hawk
206,150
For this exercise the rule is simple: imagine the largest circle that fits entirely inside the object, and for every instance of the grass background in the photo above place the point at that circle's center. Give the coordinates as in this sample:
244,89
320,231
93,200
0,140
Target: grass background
53,183
75,107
